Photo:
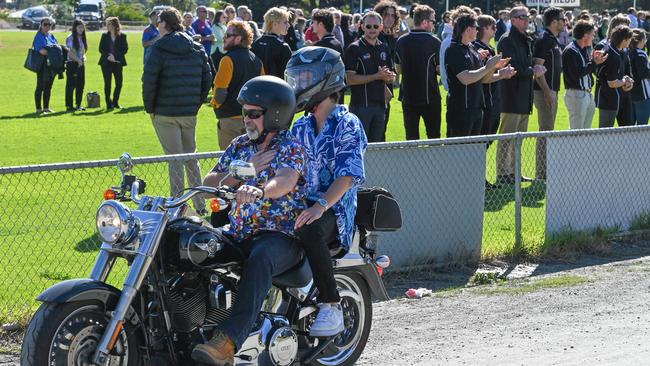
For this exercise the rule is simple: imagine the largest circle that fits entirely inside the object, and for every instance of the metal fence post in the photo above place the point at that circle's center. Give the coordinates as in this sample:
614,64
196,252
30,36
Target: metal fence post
518,143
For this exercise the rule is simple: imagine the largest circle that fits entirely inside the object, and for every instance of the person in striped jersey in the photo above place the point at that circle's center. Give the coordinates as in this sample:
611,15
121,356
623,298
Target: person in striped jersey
578,79
641,76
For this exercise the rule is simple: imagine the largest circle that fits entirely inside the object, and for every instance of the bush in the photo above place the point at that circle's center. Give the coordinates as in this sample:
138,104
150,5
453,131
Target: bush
127,12
60,11
4,13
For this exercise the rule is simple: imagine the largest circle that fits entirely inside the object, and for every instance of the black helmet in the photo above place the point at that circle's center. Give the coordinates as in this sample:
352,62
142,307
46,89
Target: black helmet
314,73
275,96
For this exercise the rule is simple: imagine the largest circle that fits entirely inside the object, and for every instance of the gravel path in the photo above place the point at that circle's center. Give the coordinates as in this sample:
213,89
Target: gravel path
600,317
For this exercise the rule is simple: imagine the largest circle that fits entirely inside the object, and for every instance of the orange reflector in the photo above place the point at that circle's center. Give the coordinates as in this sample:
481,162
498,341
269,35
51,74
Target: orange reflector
215,205
380,270
109,194
118,329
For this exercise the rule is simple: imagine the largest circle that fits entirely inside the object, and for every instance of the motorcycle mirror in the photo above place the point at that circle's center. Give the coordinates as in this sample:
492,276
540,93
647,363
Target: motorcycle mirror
125,163
242,170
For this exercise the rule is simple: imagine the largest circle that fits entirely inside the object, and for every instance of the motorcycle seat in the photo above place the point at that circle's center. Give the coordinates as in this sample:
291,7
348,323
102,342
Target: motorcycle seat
298,276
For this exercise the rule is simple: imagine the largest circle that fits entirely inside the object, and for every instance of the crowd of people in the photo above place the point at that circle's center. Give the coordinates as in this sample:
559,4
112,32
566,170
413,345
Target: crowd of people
599,57
307,174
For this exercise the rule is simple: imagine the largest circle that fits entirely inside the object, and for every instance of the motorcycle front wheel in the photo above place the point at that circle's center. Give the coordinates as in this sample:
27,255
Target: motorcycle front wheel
357,316
68,334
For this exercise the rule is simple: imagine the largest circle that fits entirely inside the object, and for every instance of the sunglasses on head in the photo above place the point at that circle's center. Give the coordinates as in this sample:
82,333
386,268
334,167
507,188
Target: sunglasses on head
372,26
252,113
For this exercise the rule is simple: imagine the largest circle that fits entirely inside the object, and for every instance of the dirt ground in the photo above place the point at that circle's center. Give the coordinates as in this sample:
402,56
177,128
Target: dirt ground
598,315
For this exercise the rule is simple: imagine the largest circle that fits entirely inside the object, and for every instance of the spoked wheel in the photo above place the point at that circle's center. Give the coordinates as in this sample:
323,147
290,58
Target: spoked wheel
68,335
357,316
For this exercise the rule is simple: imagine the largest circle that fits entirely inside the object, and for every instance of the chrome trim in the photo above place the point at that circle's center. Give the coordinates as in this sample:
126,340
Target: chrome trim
301,293
103,265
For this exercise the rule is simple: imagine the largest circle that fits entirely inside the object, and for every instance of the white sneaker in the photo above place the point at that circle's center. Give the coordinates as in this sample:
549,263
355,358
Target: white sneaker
329,321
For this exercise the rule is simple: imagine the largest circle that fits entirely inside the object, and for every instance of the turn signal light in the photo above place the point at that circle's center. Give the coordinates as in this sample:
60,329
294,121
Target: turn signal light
109,194
215,205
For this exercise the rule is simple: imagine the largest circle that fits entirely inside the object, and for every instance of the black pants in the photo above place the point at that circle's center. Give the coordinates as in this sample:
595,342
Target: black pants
110,70
373,119
430,113
491,120
314,240
44,82
74,83
464,122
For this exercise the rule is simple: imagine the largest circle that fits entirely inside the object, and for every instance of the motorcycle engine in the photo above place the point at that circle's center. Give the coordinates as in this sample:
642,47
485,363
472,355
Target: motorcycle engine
187,302
271,341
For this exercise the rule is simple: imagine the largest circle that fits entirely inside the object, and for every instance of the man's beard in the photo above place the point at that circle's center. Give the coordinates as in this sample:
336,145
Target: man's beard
252,133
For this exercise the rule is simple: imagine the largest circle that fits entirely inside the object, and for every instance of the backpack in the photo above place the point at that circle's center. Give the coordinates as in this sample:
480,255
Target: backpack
93,100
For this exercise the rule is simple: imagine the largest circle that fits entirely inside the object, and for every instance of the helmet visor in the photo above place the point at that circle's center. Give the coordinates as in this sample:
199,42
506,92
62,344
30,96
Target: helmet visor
304,77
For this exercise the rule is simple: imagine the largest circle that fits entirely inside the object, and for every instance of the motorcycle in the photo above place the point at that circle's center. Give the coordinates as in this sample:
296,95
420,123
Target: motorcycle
182,282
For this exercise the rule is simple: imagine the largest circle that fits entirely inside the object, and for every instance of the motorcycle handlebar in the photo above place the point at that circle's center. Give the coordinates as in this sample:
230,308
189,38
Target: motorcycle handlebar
224,192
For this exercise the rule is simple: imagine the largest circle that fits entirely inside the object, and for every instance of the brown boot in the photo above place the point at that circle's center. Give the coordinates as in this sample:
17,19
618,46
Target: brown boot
219,351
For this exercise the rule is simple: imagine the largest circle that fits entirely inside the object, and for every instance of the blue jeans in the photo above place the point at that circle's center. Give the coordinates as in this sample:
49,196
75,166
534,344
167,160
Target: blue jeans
268,254
642,112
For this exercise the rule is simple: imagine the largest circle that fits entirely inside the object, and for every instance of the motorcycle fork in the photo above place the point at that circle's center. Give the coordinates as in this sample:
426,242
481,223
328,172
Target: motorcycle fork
139,269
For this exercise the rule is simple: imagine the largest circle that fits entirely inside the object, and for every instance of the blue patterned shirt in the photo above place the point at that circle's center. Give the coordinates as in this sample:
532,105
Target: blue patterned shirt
269,214
337,151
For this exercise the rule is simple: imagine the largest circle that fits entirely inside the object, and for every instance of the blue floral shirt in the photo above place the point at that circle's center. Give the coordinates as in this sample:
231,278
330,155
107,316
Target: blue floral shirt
268,214
337,151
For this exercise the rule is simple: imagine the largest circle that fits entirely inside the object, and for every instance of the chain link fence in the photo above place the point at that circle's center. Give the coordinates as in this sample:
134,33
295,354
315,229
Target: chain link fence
461,200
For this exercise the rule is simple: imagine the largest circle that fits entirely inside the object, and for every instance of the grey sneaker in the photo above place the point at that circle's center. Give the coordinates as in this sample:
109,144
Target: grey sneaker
329,321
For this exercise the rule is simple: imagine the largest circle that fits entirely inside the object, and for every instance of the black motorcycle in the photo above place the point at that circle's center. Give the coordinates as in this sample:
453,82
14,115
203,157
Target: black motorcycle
182,281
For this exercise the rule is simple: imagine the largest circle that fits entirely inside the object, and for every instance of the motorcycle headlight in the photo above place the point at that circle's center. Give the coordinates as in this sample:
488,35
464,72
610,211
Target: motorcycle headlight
115,223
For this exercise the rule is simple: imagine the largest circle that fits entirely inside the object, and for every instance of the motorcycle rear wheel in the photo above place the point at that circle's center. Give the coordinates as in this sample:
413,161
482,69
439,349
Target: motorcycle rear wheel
348,346
68,334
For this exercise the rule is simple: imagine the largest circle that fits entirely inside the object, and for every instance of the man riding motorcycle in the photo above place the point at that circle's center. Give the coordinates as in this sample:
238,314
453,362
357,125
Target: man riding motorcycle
262,219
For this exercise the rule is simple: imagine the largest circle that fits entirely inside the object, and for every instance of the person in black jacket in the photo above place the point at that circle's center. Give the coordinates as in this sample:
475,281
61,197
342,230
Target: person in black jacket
270,47
112,47
641,75
44,76
516,93
175,82
614,82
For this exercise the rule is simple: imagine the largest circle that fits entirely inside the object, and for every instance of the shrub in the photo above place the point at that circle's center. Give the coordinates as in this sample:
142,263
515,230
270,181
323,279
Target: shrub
4,13
127,12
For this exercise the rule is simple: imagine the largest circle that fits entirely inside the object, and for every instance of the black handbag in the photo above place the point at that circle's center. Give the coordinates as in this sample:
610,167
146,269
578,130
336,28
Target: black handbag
377,210
34,61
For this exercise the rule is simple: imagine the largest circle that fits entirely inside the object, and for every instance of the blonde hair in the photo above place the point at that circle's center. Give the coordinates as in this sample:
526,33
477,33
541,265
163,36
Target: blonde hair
274,15
115,22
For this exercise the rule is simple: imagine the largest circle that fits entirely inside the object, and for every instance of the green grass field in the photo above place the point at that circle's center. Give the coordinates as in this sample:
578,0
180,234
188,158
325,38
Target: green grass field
38,247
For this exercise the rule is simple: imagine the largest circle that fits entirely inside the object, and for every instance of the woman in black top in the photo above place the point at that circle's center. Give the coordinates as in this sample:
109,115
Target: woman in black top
113,47
613,82
466,74
271,48
641,76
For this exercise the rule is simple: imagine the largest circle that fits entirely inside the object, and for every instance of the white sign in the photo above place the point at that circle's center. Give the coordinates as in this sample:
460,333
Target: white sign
547,3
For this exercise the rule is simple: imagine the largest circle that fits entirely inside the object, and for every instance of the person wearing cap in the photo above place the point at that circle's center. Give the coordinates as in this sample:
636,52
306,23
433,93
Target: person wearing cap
263,216
335,144
150,34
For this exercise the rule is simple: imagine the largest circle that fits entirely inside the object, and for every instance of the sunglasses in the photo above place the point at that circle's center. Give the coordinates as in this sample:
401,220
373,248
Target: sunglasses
523,16
252,113
46,24
372,26
230,11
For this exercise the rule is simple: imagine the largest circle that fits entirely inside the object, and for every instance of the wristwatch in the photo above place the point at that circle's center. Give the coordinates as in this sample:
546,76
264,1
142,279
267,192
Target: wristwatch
323,202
